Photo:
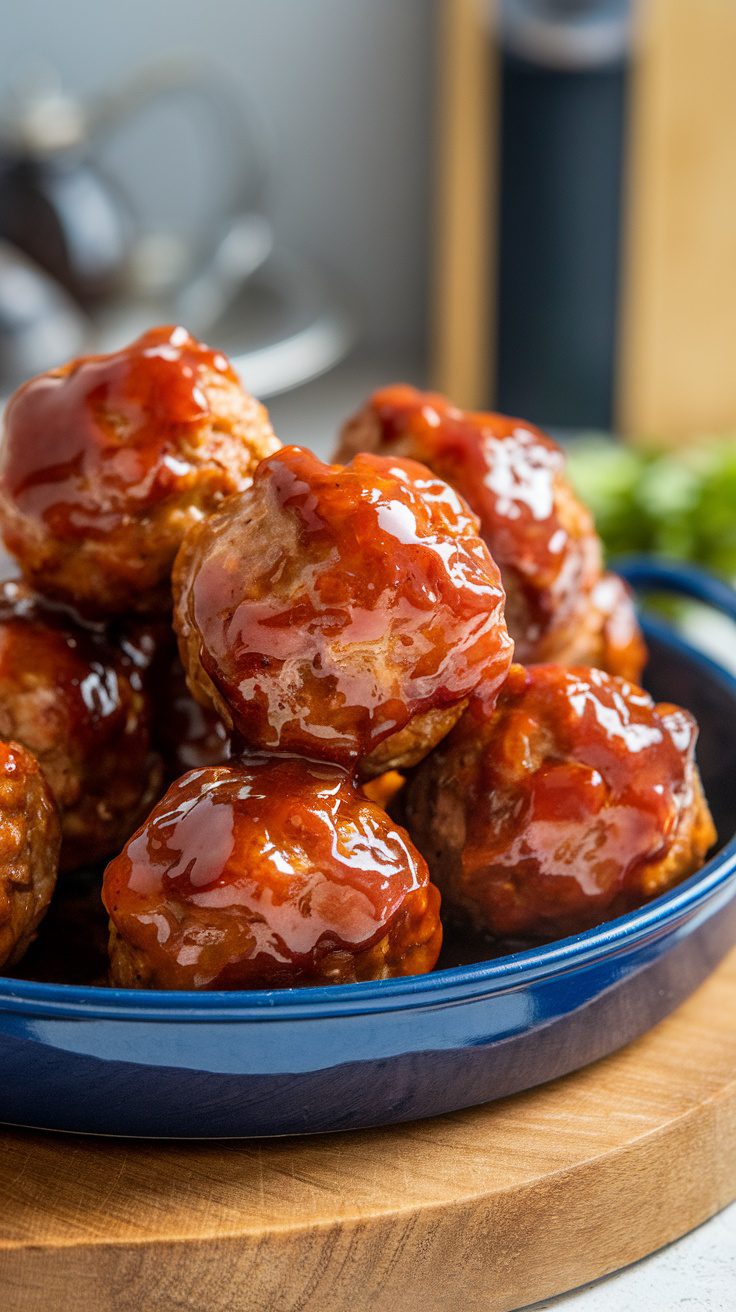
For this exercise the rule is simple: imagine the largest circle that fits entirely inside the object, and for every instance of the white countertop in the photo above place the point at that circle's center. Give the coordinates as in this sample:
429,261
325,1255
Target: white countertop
695,1274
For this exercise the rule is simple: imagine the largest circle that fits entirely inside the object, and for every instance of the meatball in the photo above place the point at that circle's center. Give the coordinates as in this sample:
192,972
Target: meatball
272,872
608,636
513,476
108,460
77,703
577,800
341,613
30,837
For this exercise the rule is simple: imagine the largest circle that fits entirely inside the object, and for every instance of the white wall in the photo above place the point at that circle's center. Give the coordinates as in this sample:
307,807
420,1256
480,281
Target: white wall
345,86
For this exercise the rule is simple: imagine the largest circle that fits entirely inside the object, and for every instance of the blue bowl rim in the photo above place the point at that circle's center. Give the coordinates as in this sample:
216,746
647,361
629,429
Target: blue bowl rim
452,984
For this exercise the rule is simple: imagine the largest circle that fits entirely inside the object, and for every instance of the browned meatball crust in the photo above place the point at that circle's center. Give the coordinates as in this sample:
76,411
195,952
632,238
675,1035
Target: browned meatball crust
78,704
30,838
608,636
268,872
345,614
107,461
558,606
578,799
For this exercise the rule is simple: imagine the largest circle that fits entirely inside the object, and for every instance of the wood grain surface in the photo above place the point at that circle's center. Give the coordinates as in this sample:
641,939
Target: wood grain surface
464,219
486,1209
679,303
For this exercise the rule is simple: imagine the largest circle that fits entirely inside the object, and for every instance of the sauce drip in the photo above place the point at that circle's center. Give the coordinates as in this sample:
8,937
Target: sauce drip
46,646
513,477
253,872
333,604
579,788
89,442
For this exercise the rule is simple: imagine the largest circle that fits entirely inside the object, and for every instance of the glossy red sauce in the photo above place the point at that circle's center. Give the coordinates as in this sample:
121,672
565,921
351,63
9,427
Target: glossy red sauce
621,648
581,781
45,647
87,443
254,873
335,603
507,470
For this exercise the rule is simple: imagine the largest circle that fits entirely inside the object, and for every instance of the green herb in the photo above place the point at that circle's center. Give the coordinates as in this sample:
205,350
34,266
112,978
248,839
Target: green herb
679,504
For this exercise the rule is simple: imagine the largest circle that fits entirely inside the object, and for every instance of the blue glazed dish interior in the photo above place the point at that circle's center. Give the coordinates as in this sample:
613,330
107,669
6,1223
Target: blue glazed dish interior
114,1061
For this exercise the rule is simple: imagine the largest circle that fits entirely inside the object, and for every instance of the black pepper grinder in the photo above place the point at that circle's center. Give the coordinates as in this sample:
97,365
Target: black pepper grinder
564,89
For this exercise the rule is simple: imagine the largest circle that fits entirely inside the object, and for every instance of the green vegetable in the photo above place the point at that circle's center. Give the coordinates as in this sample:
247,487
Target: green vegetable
677,503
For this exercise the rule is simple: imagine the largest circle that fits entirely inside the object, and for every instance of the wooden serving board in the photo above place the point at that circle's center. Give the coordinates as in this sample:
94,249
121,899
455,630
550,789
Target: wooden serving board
486,1209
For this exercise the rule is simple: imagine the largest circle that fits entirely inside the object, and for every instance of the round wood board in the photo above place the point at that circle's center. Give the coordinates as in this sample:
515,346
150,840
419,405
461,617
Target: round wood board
487,1209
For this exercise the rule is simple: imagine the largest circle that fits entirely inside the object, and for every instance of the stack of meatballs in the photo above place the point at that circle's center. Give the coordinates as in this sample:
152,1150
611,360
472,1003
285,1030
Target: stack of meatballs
278,697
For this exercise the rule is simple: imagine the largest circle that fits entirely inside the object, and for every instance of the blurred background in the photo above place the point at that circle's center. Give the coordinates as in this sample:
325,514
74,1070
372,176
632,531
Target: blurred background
259,170
529,204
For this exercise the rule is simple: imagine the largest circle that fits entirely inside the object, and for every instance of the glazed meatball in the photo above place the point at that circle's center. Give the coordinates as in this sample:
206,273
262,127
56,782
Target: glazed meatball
272,872
608,636
74,701
577,800
341,613
513,476
30,837
107,461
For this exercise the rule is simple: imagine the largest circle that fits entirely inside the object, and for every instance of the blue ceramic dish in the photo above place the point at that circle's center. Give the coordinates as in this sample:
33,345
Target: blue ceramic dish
111,1061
